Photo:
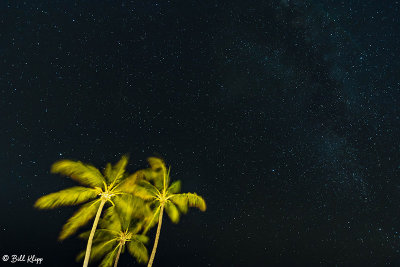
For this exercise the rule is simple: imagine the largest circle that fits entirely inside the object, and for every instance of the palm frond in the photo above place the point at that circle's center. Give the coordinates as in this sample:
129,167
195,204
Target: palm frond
188,199
157,172
85,235
84,174
111,220
108,171
155,176
98,250
129,207
145,190
167,178
125,205
129,183
137,249
172,211
136,226
151,221
180,201
156,164
175,187
67,197
79,219
117,171
196,201
141,238
81,255
109,259
100,235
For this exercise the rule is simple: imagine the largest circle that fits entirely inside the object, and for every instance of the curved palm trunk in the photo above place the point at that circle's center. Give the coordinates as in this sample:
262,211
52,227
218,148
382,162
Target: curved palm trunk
90,240
153,252
119,252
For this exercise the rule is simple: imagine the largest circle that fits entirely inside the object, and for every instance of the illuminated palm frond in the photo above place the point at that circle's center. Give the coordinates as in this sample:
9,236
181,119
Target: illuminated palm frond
100,235
67,197
115,173
109,259
172,211
156,164
145,190
156,173
175,187
101,245
137,248
152,220
131,207
181,202
84,174
111,220
129,183
79,219
188,199
156,177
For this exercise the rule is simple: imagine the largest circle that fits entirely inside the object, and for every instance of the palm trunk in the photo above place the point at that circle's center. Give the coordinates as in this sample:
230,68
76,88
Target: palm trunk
119,252
90,240
153,253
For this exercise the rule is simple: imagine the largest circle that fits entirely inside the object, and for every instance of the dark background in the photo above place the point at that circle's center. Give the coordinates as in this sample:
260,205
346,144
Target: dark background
283,115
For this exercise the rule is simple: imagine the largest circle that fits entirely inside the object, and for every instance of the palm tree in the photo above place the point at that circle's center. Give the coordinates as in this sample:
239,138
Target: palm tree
95,192
164,196
116,233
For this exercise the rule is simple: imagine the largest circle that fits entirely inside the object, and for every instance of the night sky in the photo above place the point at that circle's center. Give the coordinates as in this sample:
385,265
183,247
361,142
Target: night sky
284,115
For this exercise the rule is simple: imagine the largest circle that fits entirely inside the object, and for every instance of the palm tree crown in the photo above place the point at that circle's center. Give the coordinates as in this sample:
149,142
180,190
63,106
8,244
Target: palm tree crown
95,192
162,196
119,228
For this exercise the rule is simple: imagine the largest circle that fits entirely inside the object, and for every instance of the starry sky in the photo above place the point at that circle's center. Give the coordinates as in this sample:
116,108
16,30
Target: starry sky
282,114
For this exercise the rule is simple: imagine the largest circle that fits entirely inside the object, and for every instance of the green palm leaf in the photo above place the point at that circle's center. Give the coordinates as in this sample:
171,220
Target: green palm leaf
109,259
129,183
115,173
99,236
108,172
155,176
175,187
99,248
84,174
131,207
79,219
145,190
196,201
181,202
157,172
172,211
67,197
156,164
110,220
141,238
188,199
137,249
152,220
